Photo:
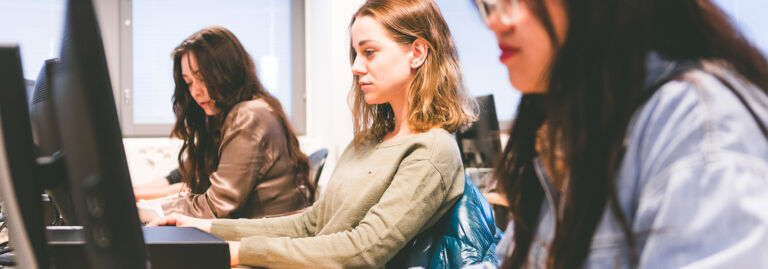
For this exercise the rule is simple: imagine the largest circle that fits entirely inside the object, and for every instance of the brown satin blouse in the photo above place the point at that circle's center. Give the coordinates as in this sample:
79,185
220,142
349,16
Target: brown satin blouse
255,177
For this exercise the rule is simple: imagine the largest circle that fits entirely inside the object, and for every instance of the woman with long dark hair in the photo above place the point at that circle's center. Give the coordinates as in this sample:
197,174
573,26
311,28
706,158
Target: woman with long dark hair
640,139
240,157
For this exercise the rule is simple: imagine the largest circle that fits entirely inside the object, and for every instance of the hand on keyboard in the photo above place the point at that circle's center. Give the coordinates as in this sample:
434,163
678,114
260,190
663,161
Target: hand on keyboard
176,219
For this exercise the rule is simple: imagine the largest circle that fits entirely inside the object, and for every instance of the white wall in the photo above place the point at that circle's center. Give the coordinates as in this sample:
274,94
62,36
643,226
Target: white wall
329,79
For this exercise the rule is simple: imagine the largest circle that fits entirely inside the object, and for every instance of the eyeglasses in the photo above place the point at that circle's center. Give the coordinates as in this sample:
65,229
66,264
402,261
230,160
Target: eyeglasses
503,8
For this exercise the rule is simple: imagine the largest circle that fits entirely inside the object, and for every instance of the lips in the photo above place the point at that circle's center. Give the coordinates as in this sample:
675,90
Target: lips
507,52
365,84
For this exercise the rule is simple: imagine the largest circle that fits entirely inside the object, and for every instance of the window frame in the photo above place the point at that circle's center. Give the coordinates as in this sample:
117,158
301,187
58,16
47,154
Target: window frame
124,93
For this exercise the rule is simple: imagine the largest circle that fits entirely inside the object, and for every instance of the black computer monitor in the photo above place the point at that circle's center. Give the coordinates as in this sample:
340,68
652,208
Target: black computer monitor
92,145
481,143
45,134
30,89
44,127
18,169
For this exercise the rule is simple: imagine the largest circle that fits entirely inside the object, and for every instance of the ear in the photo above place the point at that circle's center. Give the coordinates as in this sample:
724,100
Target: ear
419,50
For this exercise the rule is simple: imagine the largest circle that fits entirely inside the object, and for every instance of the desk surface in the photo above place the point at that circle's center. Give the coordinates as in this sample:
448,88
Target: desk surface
168,247
152,235
165,234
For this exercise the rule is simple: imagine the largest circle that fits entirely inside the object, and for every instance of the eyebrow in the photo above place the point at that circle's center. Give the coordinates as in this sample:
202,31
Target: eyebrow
193,74
363,42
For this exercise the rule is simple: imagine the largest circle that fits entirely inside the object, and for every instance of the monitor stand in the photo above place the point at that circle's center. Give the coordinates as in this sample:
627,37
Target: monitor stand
167,247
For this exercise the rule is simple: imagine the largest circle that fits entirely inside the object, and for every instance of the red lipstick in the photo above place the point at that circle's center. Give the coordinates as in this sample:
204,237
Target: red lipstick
507,52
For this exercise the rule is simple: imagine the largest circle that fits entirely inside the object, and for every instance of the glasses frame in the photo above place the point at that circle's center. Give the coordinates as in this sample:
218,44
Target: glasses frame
489,7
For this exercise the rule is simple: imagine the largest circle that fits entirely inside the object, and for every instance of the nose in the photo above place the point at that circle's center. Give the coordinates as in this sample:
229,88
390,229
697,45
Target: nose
195,91
358,68
497,24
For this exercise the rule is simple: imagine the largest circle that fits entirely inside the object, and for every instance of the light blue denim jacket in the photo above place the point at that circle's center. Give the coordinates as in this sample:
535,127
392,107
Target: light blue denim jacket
693,183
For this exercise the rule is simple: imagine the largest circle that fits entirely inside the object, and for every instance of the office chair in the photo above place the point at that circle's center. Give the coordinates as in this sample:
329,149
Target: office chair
316,163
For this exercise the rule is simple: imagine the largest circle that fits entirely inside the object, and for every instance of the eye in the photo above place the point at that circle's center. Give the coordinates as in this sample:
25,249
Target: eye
368,52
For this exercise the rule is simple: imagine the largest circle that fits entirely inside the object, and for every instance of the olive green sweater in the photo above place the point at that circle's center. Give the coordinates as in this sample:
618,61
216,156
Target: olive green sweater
378,198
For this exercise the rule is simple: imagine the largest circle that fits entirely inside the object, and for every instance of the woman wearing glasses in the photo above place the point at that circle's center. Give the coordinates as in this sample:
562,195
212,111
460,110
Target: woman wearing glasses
640,139
403,170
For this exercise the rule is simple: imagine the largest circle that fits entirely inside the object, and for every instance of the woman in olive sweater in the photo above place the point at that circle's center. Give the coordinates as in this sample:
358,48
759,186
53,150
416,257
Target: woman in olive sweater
403,170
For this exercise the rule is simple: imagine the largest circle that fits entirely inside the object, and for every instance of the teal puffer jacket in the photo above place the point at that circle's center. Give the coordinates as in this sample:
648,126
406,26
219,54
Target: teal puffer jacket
465,235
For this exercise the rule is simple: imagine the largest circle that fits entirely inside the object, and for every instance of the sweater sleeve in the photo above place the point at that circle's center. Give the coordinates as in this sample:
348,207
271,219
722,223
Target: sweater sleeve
243,157
300,225
412,200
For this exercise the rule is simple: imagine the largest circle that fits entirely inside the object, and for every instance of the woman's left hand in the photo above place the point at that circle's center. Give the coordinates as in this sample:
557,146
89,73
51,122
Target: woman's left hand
177,219
234,253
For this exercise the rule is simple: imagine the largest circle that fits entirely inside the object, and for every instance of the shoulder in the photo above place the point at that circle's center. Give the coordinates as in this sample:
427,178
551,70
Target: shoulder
443,145
696,117
436,147
252,116
427,145
255,107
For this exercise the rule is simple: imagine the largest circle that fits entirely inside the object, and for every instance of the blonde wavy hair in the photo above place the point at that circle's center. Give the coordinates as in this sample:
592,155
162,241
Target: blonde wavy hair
437,96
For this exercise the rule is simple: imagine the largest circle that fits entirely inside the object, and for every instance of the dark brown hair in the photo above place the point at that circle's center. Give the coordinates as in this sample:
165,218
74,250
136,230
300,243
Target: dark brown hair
437,96
596,83
230,76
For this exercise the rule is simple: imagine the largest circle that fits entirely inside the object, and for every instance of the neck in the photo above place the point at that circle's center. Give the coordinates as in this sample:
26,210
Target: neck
400,109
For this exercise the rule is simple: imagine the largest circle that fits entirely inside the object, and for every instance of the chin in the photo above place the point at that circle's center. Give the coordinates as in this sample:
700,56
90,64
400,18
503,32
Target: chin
520,84
516,83
372,101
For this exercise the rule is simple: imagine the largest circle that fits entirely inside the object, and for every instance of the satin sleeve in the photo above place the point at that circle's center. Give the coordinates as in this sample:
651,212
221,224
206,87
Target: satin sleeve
244,158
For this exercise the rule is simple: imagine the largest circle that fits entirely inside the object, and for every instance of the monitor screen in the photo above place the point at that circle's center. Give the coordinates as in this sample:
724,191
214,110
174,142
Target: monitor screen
481,143
23,207
92,145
